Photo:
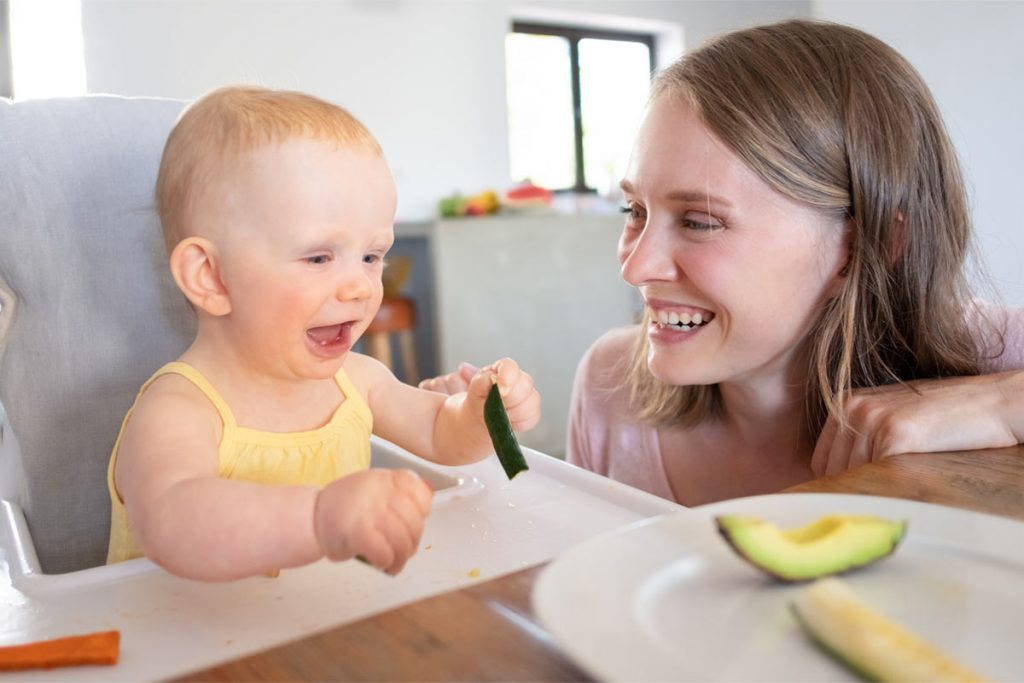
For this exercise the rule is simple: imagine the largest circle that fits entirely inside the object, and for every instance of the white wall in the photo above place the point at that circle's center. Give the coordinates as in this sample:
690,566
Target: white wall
971,53
427,76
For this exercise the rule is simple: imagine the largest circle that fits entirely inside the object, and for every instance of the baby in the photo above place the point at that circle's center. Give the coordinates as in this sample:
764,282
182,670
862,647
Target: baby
251,452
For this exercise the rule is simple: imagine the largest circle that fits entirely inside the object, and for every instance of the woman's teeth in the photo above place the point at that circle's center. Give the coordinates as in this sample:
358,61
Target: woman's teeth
682,321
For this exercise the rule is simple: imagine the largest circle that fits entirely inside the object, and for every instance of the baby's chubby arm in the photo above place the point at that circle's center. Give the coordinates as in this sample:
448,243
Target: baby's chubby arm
447,429
200,526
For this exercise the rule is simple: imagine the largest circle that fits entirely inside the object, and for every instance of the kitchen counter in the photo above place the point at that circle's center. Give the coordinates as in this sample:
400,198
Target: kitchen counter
537,288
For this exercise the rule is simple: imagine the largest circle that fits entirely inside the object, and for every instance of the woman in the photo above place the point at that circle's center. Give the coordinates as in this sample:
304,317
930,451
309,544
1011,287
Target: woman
797,225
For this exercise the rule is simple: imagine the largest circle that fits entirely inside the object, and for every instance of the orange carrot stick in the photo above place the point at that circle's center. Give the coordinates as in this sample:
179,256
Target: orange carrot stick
90,648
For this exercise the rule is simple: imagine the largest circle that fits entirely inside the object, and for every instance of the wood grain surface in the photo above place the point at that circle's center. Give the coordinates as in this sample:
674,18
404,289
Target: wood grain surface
482,633
985,481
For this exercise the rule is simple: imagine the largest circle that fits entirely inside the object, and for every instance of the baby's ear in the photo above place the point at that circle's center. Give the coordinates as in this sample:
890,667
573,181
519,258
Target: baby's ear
196,269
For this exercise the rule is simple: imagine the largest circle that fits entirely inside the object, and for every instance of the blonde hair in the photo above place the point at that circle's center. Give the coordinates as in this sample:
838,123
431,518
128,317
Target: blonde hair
832,117
220,127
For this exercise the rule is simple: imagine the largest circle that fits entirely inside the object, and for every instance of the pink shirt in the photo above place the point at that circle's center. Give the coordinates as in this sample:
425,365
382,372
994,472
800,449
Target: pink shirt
603,438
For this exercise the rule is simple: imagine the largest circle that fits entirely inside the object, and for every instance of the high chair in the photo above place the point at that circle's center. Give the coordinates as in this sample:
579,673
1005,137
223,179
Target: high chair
88,309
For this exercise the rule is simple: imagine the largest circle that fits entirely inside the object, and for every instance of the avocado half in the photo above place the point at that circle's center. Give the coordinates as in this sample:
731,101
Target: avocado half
830,545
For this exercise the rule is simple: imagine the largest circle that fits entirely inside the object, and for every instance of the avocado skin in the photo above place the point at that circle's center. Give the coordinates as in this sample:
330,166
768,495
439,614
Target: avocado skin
852,557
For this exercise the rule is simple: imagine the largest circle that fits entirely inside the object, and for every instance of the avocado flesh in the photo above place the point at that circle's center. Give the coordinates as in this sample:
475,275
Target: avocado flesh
831,545
867,641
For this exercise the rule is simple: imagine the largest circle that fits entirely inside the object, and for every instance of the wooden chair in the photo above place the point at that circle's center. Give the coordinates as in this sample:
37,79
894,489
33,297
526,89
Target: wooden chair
397,316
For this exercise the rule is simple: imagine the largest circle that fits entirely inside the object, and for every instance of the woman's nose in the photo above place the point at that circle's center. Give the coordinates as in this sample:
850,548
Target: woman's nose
646,255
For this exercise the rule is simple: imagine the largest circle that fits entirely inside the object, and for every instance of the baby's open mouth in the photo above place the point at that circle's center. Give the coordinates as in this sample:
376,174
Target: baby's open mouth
330,335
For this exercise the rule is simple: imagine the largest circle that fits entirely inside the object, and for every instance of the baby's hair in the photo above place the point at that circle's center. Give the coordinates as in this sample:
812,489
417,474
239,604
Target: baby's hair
223,125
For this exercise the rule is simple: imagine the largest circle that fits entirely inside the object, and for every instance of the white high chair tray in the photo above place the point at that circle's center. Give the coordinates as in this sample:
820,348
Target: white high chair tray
482,526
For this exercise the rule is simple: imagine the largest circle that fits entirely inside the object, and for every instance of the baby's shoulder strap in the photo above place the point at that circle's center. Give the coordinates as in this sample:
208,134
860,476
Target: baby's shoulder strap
197,378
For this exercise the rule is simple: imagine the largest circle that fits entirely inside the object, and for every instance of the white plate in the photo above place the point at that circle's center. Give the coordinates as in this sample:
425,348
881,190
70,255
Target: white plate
666,599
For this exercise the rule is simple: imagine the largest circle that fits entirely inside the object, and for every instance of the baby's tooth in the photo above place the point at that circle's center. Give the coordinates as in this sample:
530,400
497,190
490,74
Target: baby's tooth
684,318
697,319
662,318
673,318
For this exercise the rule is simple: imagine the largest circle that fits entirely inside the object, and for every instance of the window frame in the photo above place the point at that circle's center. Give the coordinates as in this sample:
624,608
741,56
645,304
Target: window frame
574,34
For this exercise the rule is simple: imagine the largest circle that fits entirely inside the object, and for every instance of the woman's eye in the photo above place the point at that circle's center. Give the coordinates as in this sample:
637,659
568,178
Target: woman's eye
319,259
700,222
634,213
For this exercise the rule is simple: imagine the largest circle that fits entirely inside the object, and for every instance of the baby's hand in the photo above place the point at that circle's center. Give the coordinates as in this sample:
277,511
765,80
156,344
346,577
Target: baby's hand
453,382
377,514
522,402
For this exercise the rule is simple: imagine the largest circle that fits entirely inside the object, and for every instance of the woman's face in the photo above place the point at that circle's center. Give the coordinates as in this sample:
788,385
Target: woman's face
732,273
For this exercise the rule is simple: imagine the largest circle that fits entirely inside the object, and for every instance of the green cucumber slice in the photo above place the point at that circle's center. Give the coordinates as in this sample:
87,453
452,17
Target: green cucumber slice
500,431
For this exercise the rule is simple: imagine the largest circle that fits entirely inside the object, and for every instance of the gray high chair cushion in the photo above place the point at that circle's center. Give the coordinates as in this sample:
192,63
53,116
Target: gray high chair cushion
89,309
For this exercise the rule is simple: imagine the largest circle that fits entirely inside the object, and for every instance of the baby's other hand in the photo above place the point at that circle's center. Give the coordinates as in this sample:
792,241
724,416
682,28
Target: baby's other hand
453,382
377,514
522,402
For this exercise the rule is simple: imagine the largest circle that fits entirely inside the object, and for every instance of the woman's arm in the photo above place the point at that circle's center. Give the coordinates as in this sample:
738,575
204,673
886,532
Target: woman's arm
961,413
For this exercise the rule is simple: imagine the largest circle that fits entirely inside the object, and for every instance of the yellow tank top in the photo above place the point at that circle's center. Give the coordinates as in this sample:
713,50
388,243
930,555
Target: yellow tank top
316,457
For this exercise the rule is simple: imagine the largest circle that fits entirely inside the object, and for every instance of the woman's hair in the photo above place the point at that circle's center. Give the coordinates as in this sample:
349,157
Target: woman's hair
223,125
832,117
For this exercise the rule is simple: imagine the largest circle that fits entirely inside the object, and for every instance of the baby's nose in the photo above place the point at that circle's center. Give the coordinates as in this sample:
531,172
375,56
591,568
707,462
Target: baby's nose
354,286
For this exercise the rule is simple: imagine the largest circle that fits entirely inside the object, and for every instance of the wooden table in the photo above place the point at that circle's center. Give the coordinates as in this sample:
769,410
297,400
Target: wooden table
488,632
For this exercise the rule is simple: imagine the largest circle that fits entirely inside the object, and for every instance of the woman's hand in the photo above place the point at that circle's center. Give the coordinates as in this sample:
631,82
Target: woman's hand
960,413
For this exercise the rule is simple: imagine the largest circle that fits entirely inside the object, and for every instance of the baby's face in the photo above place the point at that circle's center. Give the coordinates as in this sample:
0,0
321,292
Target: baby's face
303,231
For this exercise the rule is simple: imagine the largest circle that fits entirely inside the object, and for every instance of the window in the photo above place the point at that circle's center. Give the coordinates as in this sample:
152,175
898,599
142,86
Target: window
47,55
575,97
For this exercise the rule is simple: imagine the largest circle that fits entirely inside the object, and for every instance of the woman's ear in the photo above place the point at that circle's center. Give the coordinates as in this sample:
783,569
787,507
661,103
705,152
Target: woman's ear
842,273
196,270
898,242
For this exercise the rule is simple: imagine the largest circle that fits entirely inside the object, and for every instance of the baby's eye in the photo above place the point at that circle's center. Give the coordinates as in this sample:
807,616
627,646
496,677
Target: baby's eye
373,259
318,259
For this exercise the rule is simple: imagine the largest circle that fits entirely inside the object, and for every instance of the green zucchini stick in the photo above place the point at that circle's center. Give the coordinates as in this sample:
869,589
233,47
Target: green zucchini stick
500,431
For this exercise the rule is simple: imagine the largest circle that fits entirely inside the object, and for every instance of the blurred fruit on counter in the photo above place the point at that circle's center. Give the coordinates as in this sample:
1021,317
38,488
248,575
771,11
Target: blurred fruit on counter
527,196
451,205
523,196
482,204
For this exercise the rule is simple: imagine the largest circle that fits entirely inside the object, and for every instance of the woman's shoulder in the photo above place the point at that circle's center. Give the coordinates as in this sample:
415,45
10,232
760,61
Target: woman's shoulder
603,372
999,334
614,347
